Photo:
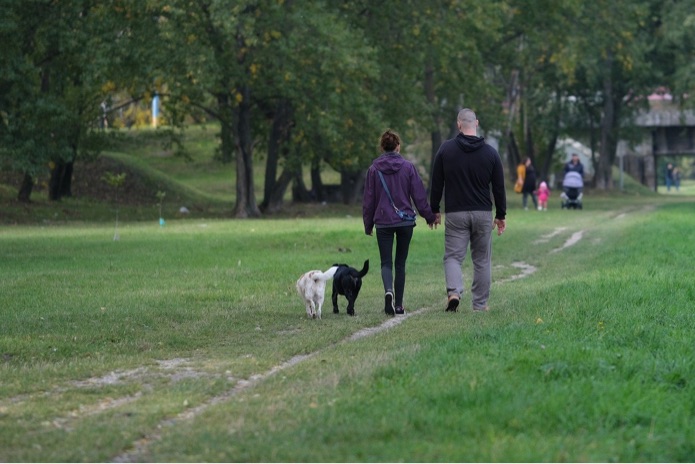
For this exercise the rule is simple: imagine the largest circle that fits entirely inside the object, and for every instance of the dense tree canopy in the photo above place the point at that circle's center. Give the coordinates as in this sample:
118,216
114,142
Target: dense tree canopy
307,83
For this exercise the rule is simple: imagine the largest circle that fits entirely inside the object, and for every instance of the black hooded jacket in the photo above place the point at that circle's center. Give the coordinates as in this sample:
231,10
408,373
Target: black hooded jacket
470,169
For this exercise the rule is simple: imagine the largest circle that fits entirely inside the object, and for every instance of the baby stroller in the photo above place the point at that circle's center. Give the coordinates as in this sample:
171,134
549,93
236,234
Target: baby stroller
572,186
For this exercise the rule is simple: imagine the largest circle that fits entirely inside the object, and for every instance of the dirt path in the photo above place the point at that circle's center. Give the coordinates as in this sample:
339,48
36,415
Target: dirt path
139,449
174,370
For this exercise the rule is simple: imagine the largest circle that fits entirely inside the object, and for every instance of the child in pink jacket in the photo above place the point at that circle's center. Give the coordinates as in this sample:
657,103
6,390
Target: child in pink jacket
543,195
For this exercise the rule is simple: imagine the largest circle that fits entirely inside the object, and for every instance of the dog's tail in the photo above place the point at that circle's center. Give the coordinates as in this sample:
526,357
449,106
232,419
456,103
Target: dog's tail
365,269
325,275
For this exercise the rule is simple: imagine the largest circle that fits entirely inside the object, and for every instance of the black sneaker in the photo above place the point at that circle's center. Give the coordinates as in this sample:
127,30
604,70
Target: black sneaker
400,310
453,303
388,304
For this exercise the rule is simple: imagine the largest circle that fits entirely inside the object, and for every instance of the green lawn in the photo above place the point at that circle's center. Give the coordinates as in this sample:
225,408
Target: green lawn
189,343
686,188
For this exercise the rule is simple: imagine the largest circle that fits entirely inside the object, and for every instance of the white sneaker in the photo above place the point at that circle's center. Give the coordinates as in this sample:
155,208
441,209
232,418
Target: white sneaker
540,208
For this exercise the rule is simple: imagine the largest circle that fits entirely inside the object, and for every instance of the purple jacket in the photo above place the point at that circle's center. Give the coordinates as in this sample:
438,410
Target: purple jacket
405,186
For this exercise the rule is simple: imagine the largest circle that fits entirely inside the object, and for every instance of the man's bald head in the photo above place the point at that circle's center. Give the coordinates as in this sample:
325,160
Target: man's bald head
467,122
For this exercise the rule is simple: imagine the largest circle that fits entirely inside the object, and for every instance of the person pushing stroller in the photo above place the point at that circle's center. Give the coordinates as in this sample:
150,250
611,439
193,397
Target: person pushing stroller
573,184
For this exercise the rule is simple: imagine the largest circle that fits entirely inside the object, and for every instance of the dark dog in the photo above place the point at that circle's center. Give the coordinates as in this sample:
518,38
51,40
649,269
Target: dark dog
347,281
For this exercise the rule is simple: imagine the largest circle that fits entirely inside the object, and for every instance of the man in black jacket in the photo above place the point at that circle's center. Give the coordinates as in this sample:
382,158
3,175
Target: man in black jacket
469,169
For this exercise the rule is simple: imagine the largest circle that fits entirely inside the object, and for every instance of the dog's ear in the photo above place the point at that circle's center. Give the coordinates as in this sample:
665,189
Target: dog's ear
365,269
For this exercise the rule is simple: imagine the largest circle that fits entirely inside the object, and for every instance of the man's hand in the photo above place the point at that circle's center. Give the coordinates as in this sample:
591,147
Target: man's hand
437,220
501,225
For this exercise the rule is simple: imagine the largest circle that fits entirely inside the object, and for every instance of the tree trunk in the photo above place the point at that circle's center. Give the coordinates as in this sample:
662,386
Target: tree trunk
246,198
530,147
436,137
435,133
589,110
592,144
226,154
604,172
24,194
317,189
275,198
351,184
54,182
550,150
60,183
513,155
300,194
280,131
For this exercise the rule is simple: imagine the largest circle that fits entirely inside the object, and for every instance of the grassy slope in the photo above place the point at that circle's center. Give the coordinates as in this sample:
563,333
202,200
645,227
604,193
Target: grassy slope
193,179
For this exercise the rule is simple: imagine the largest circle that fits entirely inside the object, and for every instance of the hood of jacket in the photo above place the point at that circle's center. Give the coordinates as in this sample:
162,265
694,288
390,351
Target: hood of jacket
469,143
389,163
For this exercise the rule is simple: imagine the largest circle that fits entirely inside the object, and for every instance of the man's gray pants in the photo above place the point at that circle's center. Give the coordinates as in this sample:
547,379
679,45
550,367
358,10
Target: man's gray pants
462,229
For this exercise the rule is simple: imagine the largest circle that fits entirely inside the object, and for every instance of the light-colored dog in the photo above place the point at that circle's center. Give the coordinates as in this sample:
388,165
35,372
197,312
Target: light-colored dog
312,287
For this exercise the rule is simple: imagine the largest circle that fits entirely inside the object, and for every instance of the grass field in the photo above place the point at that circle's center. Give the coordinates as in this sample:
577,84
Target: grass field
189,343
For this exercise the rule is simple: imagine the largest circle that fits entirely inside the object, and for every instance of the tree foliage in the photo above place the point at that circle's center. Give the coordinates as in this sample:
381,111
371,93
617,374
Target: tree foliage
301,84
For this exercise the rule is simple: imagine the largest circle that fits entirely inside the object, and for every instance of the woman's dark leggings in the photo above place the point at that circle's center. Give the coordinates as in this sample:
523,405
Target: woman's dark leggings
384,238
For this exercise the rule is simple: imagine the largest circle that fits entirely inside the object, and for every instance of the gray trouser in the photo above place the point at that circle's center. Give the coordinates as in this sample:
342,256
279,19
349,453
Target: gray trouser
461,229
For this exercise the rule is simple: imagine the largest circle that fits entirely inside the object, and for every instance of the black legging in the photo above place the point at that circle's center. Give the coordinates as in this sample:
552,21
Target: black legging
384,238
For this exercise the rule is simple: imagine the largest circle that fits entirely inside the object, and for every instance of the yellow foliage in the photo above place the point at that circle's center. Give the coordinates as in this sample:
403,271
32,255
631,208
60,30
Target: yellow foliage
239,97
253,68
109,86
142,118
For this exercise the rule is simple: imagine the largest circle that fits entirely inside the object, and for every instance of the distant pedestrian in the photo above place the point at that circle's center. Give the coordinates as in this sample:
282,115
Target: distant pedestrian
469,173
543,195
676,178
529,188
574,165
520,176
669,176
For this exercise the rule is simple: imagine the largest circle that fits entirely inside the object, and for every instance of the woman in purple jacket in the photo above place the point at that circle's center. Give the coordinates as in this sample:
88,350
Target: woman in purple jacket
390,189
